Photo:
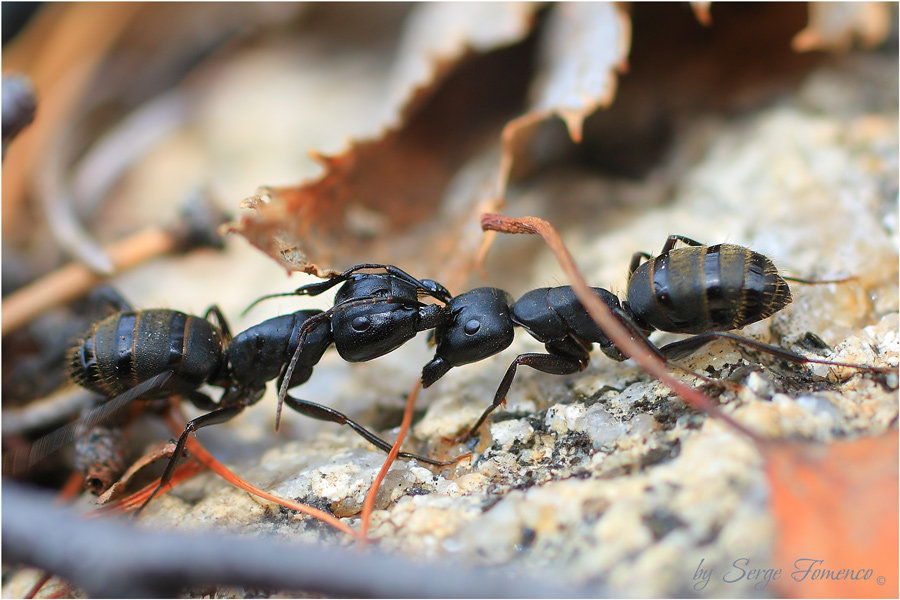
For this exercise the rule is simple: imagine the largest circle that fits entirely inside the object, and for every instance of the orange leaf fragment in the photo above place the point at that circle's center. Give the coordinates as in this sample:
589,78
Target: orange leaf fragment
836,513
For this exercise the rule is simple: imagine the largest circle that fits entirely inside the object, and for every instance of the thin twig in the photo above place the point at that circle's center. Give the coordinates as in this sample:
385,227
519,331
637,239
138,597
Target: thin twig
369,503
41,582
200,453
134,501
114,558
196,227
42,414
75,279
53,190
608,323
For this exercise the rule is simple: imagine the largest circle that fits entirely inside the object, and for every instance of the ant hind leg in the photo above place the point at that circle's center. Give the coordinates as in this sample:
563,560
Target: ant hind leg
674,239
686,346
323,413
222,321
215,417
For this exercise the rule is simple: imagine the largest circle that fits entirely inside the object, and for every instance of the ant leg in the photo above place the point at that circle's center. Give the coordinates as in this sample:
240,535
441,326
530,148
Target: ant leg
683,347
637,333
546,363
202,401
673,239
222,321
818,281
636,261
215,417
323,413
430,287
111,298
314,289
670,243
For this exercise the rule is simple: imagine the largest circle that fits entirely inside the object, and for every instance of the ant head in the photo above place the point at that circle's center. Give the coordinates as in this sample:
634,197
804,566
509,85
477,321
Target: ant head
477,325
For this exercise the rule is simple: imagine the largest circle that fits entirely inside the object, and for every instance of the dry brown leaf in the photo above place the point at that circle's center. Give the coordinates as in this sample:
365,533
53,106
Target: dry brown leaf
582,48
437,35
836,26
836,504
372,194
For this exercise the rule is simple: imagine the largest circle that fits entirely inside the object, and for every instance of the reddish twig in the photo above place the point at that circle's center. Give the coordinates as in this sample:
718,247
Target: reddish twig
610,325
135,500
200,453
40,583
369,503
71,488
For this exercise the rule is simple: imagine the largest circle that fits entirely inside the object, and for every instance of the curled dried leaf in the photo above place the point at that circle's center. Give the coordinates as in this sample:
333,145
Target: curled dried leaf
836,26
118,488
371,199
583,47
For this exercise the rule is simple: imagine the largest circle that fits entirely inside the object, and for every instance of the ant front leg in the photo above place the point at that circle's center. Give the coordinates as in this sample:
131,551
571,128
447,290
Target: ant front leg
220,415
546,363
323,413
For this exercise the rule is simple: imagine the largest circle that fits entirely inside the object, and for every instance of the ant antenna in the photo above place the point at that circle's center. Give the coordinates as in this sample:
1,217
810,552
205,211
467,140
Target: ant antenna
266,297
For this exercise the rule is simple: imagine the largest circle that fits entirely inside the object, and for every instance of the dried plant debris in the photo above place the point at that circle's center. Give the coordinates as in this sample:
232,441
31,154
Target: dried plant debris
378,189
437,121
701,120
582,48
839,25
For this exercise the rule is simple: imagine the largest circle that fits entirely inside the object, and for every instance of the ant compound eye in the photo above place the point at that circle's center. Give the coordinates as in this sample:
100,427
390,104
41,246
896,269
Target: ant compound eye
472,326
360,323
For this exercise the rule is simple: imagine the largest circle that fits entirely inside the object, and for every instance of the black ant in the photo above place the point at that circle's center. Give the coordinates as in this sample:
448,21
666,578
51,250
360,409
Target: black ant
703,290
158,353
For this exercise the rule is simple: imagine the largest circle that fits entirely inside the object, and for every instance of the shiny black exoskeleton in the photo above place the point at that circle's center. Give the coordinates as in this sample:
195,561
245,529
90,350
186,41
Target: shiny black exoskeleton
704,288
156,353
698,289
468,328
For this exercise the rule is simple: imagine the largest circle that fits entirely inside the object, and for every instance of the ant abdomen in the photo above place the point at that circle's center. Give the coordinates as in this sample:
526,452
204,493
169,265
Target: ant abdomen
706,288
129,347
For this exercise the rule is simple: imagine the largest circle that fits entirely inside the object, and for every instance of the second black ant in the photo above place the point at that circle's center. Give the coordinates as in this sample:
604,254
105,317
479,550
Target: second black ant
702,290
156,353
